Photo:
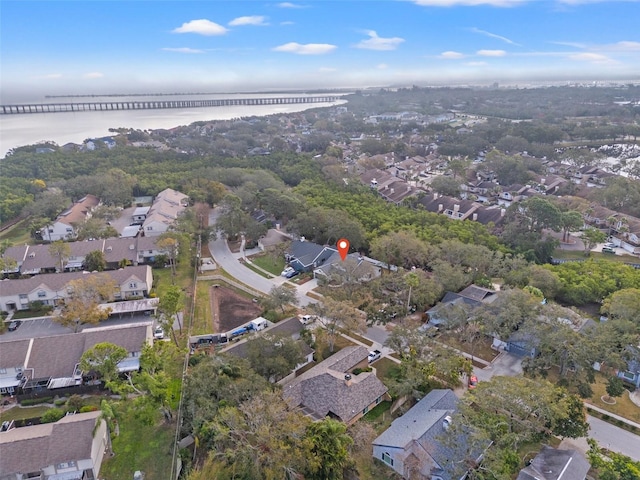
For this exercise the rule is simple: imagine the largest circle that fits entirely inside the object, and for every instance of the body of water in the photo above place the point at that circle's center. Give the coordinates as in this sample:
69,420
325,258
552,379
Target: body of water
27,129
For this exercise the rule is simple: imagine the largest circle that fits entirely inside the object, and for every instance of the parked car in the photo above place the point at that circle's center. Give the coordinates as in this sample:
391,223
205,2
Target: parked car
608,250
287,271
306,319
158,333
609,245
292,274
374,355
13,326
473,382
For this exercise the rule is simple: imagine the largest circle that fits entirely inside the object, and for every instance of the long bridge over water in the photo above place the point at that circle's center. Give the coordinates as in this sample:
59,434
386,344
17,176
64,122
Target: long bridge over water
158,104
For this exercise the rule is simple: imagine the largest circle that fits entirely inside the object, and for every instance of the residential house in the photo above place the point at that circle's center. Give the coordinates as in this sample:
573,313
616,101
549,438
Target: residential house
64,226
51,289
363,268
305,256
414,444
554,464
472,296
54,361
632,373
624,230
291,327
331,389
140,214
72,448
166,208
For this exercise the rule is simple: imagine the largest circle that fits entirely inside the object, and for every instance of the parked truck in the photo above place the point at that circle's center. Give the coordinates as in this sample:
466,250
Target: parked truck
374,355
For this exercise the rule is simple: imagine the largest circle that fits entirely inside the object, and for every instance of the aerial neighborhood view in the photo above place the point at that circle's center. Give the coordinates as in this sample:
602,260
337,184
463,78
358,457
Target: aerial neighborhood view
358,240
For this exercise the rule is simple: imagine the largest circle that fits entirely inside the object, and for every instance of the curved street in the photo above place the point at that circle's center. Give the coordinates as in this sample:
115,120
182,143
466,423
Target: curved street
223,256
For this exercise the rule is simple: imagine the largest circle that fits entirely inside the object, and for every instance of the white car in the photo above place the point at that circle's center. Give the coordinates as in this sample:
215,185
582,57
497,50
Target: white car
610,245
287,271
158,333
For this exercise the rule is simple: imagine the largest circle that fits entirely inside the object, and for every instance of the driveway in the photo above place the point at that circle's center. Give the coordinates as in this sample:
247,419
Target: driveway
225,259
505,364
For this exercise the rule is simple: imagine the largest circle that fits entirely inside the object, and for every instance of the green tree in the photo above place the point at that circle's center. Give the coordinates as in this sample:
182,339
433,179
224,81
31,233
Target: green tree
52,415
103,358
82,303
591,237
61,251
95,261
329,449
273,357
169,242
333,316
615,387
171,302
448,186
403,249
281,296
570,220
623,304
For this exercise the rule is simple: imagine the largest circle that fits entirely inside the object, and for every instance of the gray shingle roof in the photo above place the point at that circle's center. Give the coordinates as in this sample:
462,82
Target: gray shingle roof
323,389
29,449
551,464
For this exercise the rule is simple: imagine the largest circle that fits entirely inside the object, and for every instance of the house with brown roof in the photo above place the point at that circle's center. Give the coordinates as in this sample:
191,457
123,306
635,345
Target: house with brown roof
331,389
51,288
64,227
71,448
54,362
166,208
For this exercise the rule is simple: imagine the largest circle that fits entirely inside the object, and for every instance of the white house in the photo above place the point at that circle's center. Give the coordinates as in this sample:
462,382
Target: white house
167,206
71,448
51,288
64,227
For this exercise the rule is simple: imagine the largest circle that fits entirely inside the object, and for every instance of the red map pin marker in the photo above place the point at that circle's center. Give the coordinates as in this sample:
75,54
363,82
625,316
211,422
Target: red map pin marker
343,248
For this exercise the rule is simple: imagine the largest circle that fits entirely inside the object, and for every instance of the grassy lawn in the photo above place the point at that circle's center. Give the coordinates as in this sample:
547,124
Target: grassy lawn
623,406
139,447
386,369
21,413
482,349
18,234
269,262
202,315
374,415
20,314
257,270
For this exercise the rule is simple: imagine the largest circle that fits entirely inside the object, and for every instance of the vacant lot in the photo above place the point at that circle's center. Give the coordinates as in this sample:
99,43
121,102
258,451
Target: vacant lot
231,309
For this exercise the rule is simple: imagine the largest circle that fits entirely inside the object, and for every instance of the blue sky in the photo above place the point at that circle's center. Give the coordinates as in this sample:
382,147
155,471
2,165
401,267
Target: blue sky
55,47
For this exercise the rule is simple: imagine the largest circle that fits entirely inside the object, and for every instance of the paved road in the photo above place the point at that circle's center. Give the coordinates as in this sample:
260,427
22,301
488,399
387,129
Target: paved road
614,438
223,257
45,327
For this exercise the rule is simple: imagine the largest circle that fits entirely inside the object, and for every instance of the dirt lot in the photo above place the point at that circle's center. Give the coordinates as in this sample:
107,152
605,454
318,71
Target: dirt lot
230,309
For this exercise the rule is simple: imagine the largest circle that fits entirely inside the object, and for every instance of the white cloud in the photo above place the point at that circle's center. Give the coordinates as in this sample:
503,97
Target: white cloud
287,22
623,46
374,42
469,3
92,75
570,44
248,20
183,50
493,35
491,53
289,5
382,66
591,57
451,55
305,49
201,27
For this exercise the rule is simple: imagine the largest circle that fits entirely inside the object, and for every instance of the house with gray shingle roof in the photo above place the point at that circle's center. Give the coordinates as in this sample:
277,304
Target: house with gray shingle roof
331,389
554,464
71,448
53,362
305,256
413,445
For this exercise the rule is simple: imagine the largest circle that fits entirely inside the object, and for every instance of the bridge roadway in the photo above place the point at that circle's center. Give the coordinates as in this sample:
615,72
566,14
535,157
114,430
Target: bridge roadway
158,104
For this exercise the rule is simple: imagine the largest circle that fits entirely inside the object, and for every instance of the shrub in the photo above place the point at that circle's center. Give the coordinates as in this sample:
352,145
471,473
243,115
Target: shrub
35,401
358,371
59,402
52,415
585,390
75,403
88,408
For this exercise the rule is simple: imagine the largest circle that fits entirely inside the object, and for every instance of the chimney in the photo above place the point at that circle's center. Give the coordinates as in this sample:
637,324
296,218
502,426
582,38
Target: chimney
475,217
456,208
435,196
440,207
393,190
502,212
347,379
